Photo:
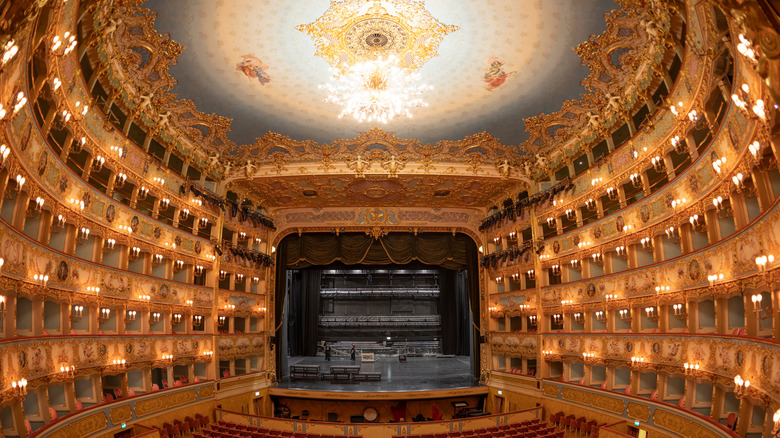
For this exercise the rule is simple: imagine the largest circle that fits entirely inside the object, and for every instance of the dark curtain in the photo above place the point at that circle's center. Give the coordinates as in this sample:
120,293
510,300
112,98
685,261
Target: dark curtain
279,297
451,330
303,313
320,249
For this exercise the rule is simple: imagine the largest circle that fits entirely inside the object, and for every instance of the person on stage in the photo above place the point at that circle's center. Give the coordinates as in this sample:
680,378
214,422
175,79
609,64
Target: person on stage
352,353
327,351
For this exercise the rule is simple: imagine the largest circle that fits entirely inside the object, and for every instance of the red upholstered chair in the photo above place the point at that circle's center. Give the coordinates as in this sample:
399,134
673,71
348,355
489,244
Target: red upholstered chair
731,421
654,395
79,405
132,392
28,426
681,403
628,390
226,373
435,413
155,387
52,414
604,385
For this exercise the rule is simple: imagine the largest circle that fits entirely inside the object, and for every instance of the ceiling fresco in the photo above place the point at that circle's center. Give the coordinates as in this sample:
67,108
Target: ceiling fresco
404,191
502,61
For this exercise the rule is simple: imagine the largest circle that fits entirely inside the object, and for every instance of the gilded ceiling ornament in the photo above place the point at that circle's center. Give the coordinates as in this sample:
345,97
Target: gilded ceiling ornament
359,165
393,165
350,31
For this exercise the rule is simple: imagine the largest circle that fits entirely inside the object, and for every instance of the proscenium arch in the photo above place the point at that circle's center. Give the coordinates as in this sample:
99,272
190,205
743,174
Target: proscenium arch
467,259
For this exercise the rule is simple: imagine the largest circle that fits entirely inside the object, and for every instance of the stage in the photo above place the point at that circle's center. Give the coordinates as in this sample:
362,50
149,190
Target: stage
415,375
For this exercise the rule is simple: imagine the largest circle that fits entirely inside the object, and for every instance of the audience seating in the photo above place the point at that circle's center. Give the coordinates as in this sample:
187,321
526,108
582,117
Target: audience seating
580,425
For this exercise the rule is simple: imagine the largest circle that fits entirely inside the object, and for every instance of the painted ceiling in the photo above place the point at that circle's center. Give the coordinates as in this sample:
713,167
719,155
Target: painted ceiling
533,39
406,190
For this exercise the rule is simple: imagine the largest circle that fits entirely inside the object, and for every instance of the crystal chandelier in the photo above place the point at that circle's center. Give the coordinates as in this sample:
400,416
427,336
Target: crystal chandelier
376,90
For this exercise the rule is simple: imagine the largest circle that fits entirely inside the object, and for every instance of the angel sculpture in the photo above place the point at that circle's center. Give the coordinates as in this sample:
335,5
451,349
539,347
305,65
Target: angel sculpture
250,168
393,166
504,168
359,165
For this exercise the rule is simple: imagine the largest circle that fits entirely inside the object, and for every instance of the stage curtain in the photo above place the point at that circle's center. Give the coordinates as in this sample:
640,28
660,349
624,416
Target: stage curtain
438,249
303,313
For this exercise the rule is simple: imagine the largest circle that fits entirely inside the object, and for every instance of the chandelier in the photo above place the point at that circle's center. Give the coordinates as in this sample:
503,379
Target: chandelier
374,49
376,90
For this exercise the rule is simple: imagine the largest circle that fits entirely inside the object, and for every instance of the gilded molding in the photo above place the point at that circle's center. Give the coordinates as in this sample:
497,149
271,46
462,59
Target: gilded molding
589,398
83,426
205,392
550,390
120,414
157,404
681,425
638,411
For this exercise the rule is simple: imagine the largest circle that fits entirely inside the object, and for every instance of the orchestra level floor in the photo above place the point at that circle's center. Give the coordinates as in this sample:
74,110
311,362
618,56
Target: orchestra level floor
416,374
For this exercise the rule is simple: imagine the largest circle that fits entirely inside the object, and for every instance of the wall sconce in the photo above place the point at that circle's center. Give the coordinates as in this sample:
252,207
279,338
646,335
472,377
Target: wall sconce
691,369
498,279
9,51
621,252
20,180
557,318
551,222
576,264
497,240
76,312
756,299
130,315
638,361
158,180
42,278
242,236
61,46
776,429
674,109
647,243
158,258
601,317
146,298
240,278
578,318
198,270
93,289
39,204
696,223
223,275
104,314
108,245
636,180
544,256
255,280
714,277
230,307
68,371
597,258
135,252
119,181
532,320
571,214
547,352
20,101
83,233
4,151
625,315
164,202
154,317
677,203
590,204
680,311
197,320
20,387
740,386
583,244
678,145
531,275
762,260
672,233
610,297
143,192
754,148
208,354
59,221
595,181
556,270
746,49
737,180
176,318
588,357
184,214
759,109
512,236
178,266
97,163
167,358
2,306
221,320
203,223
652,313
658,164
119,362
612,193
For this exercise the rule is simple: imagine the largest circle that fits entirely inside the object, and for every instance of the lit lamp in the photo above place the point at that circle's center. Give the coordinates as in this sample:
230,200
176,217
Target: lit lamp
638,361
76,312
154,318
658,163
104,315
612,193
576,264
197,320
176,318
571,214
20,387
597,259
130,315
578,317
556,270
625,315
97,163
740,386
776,429
557,318
590,204
531,274
198,270
762,261
680,311
601,316
691,369
647,243
42,278
636,180
588,357
68,371
652,313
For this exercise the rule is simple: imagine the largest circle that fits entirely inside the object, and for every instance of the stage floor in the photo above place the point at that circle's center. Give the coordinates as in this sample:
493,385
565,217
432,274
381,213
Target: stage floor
416,374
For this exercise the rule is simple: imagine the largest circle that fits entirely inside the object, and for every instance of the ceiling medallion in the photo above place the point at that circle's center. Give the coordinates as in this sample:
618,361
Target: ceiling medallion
375,48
